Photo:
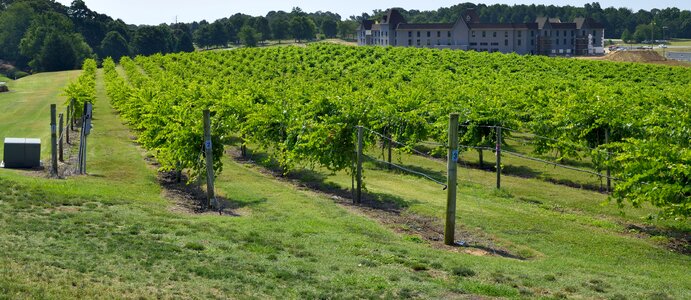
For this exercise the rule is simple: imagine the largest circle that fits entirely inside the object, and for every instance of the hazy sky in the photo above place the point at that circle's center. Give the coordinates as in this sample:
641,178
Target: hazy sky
154,12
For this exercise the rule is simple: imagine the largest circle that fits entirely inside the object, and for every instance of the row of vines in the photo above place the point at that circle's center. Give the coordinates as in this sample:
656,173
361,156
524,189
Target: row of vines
83,89
304,104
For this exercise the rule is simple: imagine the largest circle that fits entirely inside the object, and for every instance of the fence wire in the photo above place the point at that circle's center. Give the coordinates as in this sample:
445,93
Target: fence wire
428,177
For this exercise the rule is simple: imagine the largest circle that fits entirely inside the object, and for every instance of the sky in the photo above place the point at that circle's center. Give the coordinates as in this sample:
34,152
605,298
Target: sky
154,12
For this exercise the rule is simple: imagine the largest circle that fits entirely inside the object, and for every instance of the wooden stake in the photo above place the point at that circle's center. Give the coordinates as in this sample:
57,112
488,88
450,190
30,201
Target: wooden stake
358,192
609,178
208,148
498,129
53,142
450,228
61,131
67,127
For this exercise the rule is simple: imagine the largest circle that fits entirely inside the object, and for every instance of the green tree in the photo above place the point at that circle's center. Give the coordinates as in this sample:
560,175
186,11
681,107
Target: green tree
202,36
114,45
182,41
151,39
14,22
261,25
280,29
57,54
626,36
329,28
248,36
52,31
347,29
302,28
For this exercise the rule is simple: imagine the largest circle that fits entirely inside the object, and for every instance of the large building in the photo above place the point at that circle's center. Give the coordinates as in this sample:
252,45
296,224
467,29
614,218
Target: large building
546,36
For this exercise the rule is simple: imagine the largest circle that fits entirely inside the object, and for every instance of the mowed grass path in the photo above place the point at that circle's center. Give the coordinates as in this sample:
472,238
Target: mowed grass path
112,234
25,109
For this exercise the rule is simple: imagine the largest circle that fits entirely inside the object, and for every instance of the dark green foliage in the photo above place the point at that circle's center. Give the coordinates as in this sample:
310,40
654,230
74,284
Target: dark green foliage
463,272
302,28
329,28
114,45
151,40
14,21
248,36
50,45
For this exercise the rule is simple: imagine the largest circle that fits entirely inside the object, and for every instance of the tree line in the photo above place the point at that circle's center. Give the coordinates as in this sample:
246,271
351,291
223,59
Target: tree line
616,21
43,35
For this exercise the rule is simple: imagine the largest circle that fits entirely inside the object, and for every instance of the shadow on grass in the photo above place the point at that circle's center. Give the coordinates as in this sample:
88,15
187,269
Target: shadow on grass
677,240
191,198
318,181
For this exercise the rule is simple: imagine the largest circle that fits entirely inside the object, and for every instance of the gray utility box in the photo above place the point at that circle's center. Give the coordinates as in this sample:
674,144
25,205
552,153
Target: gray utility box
22,153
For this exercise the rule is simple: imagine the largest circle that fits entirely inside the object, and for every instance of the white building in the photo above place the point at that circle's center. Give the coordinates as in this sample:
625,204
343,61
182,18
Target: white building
546,36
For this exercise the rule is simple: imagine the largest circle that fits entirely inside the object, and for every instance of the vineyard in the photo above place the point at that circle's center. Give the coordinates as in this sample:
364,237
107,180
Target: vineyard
304,104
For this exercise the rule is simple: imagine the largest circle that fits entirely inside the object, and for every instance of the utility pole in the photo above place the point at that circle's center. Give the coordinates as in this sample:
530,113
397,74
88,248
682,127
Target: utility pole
451,181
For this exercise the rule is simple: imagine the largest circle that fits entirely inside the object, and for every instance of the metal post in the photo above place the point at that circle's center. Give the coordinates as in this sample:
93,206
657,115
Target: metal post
498,129
609,177
61,131
358,192
53,142
208,147
450,228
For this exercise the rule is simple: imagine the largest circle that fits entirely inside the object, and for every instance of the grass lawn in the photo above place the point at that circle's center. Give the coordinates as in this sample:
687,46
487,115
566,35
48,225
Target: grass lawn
113,234
26,108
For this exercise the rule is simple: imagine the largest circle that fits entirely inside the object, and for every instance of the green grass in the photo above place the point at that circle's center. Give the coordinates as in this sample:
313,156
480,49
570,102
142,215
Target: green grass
26,108
112,234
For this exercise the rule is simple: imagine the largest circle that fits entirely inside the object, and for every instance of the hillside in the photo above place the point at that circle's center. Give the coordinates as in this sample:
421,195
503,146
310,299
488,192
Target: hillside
119,233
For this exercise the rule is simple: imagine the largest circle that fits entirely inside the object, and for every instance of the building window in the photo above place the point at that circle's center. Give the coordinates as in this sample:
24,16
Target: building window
418,42
520,33
494,34
506,42
532,33
472,33
438,34
594,33
572,33
429,34
532,42
519,42
557,32
583,33
484,33
410,34
483,44
428,42
448,34
418,34
572,41
495,44
564,41
473,44
410,42
564,32
557,40
506,34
